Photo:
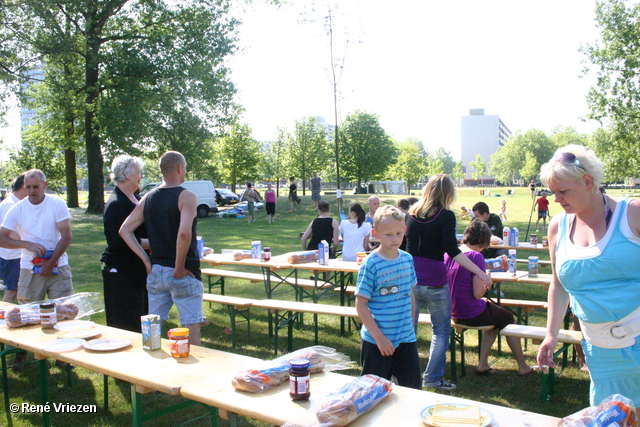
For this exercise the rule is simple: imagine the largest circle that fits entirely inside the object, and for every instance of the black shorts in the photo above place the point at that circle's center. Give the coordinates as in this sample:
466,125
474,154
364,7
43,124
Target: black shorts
492,315
542,214
270,207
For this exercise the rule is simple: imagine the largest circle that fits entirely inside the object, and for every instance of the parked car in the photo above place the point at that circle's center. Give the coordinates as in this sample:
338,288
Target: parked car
203,189
226,197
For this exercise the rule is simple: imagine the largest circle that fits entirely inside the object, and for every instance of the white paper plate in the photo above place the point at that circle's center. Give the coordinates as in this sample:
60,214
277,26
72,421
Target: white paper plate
62,345
107,344
67,324
485,416
80,332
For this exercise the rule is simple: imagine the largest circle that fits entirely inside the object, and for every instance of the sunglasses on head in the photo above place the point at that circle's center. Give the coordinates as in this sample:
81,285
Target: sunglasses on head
568,159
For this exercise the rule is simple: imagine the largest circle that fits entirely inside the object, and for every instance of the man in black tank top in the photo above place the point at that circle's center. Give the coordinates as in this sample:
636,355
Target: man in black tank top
173,271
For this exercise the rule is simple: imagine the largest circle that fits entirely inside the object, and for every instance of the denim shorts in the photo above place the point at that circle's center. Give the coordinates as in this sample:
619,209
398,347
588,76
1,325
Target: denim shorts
165,290
10,273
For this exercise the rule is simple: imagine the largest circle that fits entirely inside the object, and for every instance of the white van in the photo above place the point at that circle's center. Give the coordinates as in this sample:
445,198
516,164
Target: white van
204,190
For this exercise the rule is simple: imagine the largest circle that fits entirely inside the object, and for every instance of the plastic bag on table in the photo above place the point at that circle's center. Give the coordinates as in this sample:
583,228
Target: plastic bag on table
74,306
274,372
616,410
341,407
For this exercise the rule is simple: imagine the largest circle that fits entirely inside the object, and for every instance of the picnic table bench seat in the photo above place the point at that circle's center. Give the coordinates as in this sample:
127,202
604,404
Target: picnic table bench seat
537,333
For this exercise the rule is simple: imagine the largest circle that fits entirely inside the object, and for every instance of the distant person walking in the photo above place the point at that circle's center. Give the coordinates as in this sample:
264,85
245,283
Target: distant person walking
252,196
503,209
316,184
293,194
543,210
532,189
270,203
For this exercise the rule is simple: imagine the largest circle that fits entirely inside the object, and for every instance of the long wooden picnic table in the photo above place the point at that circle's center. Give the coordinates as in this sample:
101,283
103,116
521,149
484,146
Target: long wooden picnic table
145,370
401,407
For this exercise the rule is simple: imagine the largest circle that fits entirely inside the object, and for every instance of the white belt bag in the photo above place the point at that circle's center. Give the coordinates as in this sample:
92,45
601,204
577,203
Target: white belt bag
618,334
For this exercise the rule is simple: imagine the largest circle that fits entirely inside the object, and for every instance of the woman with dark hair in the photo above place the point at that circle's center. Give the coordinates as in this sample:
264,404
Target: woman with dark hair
123,273
431,232
468,306
355,232
322,228
293,193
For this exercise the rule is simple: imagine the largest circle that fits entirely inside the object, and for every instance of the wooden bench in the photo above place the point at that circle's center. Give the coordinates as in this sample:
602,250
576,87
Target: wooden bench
292,309
537,334
236,305
220,275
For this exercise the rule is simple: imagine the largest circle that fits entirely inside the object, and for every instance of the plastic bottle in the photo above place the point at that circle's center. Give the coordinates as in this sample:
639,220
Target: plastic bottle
299,376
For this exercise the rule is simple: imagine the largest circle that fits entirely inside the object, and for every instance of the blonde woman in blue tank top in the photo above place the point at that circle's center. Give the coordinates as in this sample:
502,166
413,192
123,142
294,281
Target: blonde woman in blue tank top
594,247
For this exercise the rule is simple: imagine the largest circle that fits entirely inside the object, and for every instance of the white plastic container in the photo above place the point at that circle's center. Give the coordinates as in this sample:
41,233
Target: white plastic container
512,261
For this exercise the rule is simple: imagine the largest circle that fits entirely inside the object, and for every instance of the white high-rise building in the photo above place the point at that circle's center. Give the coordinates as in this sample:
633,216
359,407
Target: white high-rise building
481,134
27,115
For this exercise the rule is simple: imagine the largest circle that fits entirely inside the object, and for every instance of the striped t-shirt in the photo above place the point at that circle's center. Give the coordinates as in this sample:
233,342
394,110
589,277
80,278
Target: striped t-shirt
387,283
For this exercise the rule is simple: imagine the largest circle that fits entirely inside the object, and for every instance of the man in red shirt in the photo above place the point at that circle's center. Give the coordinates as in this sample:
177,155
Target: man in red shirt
543,210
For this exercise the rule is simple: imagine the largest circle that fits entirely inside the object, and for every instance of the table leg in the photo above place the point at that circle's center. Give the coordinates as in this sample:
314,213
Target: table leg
44,390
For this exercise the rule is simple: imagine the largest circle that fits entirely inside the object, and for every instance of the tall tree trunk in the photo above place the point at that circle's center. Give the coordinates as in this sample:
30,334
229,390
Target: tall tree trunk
71,177
94,152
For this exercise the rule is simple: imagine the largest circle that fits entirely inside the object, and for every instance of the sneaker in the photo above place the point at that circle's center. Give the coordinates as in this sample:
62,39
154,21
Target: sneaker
443,386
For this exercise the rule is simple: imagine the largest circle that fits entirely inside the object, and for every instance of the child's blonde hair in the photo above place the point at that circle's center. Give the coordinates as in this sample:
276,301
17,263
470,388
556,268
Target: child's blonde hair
387,211
503,201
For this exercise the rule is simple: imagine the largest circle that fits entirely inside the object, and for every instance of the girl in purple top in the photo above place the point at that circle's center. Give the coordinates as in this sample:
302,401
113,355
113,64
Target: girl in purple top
270,203
467,305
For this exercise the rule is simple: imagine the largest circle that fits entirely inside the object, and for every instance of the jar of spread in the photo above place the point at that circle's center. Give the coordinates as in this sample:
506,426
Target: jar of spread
266,254
179,342
360,256
48,316
299,375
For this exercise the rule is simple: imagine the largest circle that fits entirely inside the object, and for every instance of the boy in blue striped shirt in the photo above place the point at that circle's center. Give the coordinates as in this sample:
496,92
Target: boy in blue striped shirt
384,304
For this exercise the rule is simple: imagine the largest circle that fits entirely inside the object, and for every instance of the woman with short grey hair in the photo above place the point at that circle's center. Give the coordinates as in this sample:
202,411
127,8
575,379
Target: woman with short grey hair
123,273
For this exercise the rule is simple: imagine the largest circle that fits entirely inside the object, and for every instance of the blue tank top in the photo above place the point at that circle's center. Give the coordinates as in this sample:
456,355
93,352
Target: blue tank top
604,287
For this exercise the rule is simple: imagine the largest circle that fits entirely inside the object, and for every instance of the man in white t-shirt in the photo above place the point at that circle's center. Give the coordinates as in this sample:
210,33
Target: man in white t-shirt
43,223
10,258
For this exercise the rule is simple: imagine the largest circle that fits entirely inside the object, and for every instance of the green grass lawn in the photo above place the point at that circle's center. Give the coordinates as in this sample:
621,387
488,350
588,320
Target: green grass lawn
283,236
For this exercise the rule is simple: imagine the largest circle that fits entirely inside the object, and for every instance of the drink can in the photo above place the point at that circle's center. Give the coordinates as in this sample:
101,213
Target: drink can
533,266
533,239
150,331
545,241
256,249
512,261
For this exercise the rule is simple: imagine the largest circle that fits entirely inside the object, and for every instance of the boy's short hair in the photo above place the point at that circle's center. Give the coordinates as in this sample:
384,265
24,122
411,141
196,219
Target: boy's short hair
481,207
387,211
403,204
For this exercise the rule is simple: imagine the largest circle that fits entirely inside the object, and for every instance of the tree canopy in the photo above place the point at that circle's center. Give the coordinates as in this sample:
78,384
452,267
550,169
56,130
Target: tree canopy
412,162
153,73
366,151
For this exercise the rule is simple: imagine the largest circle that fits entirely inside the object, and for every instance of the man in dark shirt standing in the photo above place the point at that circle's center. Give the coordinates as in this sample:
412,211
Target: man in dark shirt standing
174,268
481,211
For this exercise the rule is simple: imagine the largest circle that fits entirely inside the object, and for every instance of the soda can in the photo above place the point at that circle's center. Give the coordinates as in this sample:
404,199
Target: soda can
533,266
256,249
512,261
